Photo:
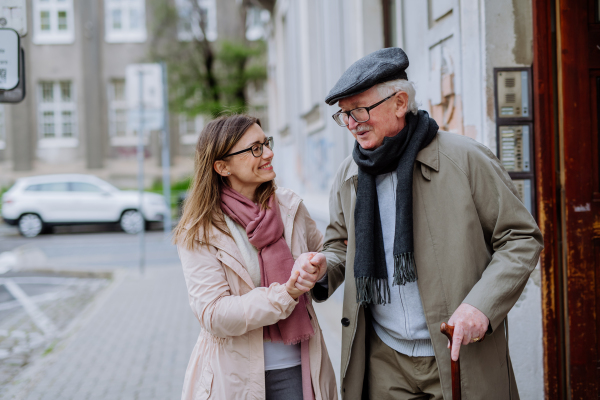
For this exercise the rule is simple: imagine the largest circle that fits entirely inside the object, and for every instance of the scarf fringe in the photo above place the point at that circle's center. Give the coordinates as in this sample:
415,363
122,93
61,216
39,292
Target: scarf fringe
371,290
405,270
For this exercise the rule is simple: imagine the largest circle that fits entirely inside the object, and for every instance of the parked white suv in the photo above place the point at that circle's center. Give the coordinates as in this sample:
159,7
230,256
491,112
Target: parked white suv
39,202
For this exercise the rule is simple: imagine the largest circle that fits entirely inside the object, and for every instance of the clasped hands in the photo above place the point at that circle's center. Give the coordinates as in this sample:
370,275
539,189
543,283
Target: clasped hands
470,324
307,270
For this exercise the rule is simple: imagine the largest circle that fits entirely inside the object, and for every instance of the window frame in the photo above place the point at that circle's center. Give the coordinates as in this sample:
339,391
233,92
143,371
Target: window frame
53,35
185,137
185,9
126,34
115,105
58,107
2,127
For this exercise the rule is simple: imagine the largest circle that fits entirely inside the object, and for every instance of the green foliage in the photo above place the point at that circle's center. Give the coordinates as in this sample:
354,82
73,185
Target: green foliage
206,78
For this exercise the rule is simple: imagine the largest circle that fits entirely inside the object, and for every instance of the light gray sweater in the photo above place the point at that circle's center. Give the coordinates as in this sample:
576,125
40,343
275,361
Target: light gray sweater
401,323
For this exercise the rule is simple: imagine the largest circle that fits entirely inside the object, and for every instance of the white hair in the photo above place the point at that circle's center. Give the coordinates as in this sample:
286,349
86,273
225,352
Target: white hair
388,88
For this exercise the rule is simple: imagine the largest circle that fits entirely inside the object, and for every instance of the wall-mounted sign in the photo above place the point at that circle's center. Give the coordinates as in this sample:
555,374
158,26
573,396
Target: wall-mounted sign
513,93
9,59
13,14
17,94
514,147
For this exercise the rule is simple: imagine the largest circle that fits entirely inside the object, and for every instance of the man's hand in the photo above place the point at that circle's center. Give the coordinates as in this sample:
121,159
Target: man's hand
470,325
311,267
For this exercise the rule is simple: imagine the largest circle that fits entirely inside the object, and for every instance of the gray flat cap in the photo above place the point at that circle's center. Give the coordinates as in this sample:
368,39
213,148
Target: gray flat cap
378,67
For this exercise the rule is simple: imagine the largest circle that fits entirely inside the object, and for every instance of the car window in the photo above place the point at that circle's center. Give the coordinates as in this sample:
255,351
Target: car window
48,187
84,187
33,188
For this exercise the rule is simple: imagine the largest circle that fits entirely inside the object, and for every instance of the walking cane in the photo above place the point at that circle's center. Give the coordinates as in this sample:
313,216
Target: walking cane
448,330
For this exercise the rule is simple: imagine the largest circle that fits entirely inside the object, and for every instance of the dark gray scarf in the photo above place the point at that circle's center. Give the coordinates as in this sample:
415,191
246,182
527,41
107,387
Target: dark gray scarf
397,153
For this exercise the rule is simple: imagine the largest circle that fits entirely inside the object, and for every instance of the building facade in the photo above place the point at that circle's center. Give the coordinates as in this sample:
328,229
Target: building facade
74,117
453,47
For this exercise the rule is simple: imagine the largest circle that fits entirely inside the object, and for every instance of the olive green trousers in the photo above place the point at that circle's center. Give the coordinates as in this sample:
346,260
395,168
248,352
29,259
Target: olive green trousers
396,376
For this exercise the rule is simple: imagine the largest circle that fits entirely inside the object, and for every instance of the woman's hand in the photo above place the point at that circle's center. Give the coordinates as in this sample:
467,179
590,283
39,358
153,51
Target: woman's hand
294,289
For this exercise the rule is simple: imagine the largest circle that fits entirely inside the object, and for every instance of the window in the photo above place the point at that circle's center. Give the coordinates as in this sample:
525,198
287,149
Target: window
49,187
53,22
256,20
120,134
189,19
84,187
190,128
2,128
57,115
125,21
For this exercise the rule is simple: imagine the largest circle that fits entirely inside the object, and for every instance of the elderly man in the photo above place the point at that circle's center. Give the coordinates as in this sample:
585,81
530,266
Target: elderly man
425,227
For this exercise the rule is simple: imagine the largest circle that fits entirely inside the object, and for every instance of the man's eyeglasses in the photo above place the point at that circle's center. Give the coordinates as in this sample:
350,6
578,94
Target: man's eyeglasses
256,149
360,114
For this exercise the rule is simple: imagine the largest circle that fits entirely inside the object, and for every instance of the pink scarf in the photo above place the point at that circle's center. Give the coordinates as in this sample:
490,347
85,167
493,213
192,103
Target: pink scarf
265,232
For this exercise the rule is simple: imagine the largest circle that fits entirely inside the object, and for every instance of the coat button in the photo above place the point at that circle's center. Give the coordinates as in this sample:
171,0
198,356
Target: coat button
345,321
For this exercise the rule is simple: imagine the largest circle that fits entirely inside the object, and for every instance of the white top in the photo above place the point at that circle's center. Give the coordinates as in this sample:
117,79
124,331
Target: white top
277,355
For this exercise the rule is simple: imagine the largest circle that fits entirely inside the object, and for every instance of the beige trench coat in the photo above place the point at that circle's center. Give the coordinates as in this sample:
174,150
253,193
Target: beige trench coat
228,360
475,243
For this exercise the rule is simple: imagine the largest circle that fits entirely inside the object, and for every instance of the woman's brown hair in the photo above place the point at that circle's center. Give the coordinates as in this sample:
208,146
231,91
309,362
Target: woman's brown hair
202,207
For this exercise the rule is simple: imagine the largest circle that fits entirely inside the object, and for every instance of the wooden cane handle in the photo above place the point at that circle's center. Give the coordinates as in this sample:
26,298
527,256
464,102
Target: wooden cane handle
448,331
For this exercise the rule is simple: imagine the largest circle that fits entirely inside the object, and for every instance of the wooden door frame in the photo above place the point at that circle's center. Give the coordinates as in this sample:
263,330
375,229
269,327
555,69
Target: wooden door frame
564,182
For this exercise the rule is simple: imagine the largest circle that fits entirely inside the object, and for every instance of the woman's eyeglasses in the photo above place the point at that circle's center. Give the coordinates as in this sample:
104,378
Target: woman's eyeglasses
256,149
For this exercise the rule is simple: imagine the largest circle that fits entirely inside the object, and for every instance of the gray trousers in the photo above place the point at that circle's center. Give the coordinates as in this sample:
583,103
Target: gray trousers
284,384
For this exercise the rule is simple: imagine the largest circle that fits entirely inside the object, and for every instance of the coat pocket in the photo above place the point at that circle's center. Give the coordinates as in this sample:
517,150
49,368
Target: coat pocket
500,345
205,385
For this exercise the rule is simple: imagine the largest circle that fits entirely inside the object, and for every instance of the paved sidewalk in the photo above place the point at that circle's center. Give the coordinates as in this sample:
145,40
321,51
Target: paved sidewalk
135,344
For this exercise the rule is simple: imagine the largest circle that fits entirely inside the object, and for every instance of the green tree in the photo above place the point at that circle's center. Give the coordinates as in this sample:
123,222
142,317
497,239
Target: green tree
205,77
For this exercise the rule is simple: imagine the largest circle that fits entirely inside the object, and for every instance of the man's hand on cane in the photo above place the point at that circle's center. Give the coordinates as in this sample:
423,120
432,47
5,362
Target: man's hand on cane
470,326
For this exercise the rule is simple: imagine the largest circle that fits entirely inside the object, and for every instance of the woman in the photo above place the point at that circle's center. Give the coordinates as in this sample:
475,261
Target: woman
237,240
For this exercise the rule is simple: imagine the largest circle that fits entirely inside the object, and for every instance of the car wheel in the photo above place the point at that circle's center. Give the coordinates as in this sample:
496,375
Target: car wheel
132,221
30,225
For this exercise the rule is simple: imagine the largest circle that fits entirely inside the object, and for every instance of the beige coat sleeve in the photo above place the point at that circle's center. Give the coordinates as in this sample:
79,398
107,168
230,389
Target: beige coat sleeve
514,238
314,237
334,248
219,311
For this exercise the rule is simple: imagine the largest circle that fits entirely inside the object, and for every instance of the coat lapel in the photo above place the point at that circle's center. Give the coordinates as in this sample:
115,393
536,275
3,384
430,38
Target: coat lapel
227,245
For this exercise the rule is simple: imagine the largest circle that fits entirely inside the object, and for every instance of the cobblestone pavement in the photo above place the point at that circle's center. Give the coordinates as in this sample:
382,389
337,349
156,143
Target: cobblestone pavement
35,310
135,339
134,344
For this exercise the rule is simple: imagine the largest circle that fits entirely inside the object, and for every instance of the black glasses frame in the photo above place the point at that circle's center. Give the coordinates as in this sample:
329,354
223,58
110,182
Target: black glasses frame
268,142
349,113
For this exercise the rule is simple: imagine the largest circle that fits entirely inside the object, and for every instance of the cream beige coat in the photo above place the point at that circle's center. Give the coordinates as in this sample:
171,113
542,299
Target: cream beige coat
228,361
475,243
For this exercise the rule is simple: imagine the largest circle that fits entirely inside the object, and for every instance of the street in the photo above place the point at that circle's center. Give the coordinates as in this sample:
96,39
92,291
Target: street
89,325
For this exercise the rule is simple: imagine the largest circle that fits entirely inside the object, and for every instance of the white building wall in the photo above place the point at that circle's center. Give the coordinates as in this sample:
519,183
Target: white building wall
452,45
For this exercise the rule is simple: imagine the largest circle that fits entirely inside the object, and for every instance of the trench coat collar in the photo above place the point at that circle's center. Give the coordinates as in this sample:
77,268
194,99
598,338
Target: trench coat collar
430,156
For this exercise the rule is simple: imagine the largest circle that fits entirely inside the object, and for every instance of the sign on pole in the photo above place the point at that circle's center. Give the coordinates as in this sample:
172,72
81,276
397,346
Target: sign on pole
10,49
13,14
151,96
144,91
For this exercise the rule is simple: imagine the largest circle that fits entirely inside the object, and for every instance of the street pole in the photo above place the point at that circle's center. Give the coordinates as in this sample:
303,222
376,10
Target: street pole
140,157
166,156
